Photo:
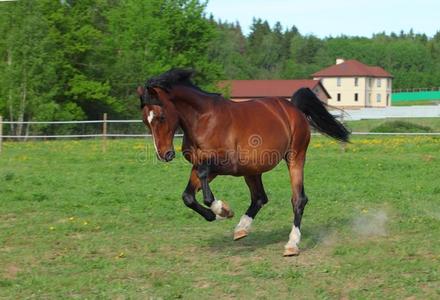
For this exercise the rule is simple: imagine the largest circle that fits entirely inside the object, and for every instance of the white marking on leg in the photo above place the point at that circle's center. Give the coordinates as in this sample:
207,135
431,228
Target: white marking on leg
150,116
244,224
216,207
294,238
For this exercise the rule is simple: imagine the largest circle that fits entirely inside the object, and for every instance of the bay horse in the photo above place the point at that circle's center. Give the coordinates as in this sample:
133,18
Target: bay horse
222,137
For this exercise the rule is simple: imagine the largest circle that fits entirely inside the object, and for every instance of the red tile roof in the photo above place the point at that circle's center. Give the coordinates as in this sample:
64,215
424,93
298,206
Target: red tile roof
268,88
352,68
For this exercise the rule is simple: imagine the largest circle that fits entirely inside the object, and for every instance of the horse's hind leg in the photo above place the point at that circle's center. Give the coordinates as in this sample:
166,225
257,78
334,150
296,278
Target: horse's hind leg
299,201
258,199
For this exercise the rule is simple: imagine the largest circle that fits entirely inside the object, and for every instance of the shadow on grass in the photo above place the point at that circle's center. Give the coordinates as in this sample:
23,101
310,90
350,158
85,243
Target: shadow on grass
312,236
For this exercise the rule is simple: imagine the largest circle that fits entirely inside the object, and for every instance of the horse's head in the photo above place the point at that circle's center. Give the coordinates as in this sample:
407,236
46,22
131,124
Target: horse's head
161,117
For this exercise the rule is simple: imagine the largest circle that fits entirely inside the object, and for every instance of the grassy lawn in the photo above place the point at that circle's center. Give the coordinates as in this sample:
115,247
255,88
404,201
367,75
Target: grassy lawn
76,223
367,125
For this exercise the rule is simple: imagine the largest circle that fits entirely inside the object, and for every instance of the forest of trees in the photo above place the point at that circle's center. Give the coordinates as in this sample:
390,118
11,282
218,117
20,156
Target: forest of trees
75,59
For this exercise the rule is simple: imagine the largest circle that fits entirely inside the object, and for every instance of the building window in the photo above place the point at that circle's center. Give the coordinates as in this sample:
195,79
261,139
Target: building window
356,81
388,83
370,82
378,98
388,99
379,82
338,81
356,97
339,97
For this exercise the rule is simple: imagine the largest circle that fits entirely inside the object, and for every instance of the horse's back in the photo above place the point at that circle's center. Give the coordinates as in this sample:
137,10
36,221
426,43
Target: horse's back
266,111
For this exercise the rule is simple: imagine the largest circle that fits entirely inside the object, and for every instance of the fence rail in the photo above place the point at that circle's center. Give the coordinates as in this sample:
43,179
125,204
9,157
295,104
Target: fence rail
430,89
104,134
80,136
72,122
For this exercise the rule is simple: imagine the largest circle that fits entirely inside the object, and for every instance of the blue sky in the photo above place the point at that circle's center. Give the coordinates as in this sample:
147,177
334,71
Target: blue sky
334,17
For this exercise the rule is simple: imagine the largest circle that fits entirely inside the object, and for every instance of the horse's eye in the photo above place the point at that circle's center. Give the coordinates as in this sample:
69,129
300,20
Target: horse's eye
161,118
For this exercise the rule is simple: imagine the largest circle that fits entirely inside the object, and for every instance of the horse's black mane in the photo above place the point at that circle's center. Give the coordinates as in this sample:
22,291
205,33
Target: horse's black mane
175,76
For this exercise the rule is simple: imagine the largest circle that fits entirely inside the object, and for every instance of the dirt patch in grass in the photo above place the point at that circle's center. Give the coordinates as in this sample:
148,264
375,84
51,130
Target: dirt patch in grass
11,271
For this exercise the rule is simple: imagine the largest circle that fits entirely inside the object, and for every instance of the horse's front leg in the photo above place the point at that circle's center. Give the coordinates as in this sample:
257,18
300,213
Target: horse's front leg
189,196
220,208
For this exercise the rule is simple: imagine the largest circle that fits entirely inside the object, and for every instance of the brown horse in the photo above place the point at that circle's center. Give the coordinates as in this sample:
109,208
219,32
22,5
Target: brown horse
222,137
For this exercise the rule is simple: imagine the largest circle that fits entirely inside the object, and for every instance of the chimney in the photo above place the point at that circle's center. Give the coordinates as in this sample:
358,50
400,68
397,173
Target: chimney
339,61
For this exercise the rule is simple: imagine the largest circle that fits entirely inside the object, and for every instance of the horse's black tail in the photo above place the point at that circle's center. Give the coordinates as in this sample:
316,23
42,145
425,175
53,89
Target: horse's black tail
316,112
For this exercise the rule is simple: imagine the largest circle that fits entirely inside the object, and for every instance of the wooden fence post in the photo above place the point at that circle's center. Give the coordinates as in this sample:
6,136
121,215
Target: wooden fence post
104,133
1,133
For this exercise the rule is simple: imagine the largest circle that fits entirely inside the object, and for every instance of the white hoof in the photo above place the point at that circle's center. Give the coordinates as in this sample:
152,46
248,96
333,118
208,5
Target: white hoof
291,251
239,234
243,227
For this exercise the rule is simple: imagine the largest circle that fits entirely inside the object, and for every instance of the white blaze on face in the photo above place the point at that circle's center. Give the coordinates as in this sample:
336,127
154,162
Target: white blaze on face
150,118
244,224
294,238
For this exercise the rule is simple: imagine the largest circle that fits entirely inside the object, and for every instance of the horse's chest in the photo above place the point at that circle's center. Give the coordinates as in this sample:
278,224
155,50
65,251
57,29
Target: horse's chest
214,155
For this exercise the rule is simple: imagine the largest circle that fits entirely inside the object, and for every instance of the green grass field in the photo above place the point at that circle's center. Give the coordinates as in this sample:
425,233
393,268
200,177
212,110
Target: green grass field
76,223
368,125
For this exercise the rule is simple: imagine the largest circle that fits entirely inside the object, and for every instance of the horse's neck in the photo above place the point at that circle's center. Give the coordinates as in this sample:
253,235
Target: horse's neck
190,101
191,106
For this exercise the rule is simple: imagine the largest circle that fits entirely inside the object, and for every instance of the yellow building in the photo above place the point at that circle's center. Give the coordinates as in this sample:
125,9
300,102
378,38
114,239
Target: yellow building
352,84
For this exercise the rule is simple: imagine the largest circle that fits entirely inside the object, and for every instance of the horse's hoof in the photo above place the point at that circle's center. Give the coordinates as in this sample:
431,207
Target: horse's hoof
291,251
240,234
226,211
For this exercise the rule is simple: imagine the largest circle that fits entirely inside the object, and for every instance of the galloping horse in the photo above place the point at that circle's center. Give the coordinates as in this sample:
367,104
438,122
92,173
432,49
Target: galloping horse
222,137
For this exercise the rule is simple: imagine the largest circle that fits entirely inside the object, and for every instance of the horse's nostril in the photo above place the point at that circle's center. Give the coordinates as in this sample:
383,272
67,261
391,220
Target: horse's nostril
169,155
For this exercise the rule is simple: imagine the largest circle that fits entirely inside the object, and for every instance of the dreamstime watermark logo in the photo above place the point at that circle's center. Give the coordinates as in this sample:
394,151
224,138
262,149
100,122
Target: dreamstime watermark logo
253,153
255,141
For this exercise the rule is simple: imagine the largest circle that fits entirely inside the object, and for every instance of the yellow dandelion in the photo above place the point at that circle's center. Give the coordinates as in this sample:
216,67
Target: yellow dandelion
85,223
51,228
71,218
121,255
